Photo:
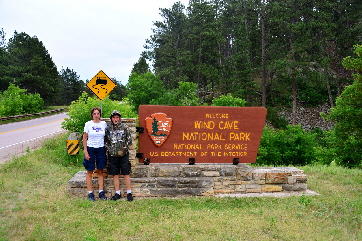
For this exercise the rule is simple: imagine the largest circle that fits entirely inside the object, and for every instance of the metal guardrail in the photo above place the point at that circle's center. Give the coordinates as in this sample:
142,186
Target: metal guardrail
28,115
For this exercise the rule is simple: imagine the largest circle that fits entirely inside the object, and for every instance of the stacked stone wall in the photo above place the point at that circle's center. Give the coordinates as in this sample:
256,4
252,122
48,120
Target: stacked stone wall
174,180
171,180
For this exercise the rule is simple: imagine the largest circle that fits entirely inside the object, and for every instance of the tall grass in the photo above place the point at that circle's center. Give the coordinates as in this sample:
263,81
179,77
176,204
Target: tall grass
35,205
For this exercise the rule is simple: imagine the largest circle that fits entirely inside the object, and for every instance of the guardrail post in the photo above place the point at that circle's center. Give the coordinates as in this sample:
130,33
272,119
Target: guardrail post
73,143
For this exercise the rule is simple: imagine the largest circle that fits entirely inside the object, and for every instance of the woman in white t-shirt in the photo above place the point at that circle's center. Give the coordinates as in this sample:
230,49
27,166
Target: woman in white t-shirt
94,151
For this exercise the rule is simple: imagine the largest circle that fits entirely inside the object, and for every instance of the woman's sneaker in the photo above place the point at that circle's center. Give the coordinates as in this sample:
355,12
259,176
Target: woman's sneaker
91,196
102,196
116,197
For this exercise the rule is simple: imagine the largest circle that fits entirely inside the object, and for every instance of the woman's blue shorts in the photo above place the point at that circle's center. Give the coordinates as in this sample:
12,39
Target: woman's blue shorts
97,157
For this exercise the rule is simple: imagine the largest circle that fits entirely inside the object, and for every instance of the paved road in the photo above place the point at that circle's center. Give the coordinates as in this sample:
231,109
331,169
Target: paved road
17,137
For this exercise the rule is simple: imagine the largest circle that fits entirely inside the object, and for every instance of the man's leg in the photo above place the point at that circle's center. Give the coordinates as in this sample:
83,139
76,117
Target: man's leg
127,180
116,183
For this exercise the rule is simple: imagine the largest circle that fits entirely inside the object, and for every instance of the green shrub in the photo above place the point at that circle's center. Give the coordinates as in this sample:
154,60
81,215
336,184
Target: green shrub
11,103
33,103
325,154
143,88
347,149
278,121
292,146
79,111
228,100
15,101
184,95
347,116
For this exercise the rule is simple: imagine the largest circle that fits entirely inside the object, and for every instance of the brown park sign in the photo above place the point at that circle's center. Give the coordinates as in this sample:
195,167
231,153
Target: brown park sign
210,134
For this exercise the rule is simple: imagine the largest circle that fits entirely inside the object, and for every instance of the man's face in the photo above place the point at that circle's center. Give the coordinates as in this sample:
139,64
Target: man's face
115,119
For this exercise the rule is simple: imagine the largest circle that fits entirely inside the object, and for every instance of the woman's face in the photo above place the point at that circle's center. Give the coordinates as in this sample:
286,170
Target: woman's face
96,115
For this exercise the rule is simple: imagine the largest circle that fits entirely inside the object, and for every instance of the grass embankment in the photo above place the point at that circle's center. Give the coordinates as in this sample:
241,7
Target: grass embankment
35,205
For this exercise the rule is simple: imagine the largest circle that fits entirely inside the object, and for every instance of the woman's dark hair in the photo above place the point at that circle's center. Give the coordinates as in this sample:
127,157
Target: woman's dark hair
96,108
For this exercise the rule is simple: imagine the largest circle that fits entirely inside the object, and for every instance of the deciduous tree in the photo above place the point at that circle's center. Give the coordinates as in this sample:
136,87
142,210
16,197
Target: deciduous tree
347,115
143,88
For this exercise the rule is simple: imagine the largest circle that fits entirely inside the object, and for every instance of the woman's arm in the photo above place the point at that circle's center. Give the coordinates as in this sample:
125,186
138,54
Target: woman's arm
85,138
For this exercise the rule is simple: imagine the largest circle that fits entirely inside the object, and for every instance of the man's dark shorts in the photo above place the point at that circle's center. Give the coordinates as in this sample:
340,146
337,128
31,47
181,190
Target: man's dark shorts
97,157
119,165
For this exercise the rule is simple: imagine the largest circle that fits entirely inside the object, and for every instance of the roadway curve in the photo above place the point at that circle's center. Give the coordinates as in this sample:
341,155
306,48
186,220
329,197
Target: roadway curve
17,137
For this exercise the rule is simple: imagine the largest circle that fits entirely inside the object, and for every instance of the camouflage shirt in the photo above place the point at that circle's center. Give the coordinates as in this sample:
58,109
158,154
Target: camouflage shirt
117,138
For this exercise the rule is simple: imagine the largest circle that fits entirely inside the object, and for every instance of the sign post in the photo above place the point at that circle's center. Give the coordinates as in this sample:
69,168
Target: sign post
101,85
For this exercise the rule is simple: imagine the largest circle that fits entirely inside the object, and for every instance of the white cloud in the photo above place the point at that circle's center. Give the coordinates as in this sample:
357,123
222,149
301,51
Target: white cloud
87,35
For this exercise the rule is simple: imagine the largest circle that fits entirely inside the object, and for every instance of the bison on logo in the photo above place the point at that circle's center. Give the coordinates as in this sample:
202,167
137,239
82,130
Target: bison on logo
158,127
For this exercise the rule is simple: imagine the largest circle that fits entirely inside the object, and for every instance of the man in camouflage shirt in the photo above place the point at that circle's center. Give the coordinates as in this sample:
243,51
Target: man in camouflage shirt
117,141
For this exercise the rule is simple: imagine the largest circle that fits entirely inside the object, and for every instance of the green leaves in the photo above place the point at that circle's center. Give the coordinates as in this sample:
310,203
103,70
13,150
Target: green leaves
184,95
229,100
15,101
292,146
27,64
354,63
143,88
218,46
79,111
71,86
347,116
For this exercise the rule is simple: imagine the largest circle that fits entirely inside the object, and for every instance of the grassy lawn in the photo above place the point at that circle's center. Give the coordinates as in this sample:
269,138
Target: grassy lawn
35,205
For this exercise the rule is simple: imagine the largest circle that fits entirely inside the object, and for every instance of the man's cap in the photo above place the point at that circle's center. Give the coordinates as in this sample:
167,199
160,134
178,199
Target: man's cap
115,112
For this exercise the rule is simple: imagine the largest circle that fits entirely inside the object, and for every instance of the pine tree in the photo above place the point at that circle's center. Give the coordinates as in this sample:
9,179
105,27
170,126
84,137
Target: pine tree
154,127
72,87
32,68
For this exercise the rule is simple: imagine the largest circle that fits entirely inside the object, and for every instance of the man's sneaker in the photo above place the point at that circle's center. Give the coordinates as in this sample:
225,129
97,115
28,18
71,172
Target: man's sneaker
91,196
129,197
116,197
101,196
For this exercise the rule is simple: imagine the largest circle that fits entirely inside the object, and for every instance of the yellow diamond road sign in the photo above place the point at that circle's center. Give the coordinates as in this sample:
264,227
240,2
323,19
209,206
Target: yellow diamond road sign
101,85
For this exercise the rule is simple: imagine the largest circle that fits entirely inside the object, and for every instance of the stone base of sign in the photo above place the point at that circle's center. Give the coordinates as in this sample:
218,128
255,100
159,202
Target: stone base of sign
177,180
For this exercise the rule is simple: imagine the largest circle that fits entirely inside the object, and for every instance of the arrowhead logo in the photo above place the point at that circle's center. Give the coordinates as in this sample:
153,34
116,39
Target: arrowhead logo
158,127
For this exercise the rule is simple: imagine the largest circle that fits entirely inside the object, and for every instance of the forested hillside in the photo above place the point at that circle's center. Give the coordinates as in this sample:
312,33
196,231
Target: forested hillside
270,53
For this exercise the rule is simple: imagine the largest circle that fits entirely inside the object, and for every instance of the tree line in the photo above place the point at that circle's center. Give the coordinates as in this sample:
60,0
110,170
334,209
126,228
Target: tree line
268,52
26,63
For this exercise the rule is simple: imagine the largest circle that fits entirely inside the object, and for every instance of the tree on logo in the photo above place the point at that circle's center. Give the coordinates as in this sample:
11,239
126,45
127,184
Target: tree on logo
154,127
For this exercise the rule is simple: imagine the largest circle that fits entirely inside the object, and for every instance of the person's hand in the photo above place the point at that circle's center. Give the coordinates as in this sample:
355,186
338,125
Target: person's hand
86,156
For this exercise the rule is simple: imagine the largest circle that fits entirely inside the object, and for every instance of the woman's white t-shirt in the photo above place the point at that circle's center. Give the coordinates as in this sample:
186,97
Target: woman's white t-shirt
96,133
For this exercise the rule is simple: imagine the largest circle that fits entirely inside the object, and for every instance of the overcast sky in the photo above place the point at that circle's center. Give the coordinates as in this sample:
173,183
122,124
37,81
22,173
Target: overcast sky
87,35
